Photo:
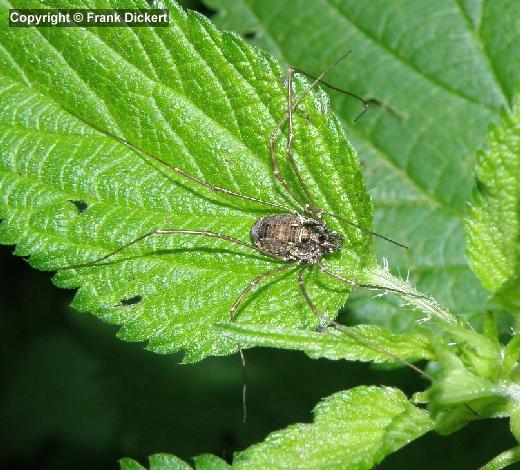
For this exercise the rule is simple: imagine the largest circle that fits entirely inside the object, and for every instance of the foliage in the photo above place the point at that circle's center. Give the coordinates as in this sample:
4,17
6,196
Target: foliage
334,344
190,92
493,224
170,462
355,417
92,144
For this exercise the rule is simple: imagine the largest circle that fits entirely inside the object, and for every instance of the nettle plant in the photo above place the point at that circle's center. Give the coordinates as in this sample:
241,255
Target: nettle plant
109,134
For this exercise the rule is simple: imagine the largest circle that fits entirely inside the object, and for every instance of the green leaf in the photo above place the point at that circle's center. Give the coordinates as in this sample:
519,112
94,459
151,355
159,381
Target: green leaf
130,464
480,353
514,423
503,460
461,386
447,68
72,191
210,462
334,344
458,397
511,355
354,429
157,462
170,462
493,223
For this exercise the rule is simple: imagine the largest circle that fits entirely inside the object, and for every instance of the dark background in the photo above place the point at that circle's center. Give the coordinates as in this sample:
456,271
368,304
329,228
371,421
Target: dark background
72,396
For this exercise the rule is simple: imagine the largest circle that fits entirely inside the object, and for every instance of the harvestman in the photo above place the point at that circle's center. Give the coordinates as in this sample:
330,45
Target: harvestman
302,238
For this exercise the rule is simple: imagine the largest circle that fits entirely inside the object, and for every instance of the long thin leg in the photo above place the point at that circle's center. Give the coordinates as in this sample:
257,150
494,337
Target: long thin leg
274,135
256,281
289,116
244,385
372,345
354,284
348,331
232,315
165,232
366,102
290,140
278,174
301,285
179,171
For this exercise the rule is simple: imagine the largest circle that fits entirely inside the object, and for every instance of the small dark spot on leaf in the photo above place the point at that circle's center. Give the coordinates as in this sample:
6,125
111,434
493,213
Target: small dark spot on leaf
82,206
481,186
250,35
131,301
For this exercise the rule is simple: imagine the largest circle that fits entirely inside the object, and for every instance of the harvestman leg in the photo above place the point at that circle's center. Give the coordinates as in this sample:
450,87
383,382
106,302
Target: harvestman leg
288,116
214,188
232,315
243,294
366,102
256,281
348,331
354,284
301,285
314,209
165,232
290,140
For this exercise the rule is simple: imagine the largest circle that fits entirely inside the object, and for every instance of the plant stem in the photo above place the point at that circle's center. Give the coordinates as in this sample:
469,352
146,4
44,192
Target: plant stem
383,277
503,460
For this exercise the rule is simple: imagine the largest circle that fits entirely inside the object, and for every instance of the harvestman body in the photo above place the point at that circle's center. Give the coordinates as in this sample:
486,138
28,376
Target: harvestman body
294,238
302,239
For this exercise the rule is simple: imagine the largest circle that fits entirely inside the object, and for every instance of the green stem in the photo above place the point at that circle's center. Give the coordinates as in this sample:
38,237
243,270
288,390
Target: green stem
503,460
383,277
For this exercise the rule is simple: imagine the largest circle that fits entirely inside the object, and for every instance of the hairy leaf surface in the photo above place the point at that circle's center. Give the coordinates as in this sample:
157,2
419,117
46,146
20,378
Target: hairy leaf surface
171,462
351,430
72,190
493,223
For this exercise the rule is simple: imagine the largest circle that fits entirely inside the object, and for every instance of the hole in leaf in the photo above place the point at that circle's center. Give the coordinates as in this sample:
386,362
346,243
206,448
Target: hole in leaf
131,301
250,35
81,206
481,186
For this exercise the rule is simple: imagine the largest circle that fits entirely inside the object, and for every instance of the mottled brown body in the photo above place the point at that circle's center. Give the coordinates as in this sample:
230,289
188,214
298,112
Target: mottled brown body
294,237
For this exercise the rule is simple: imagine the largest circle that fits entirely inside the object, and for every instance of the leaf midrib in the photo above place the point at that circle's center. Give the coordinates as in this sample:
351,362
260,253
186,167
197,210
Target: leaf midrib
411,66
482,46
376,41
